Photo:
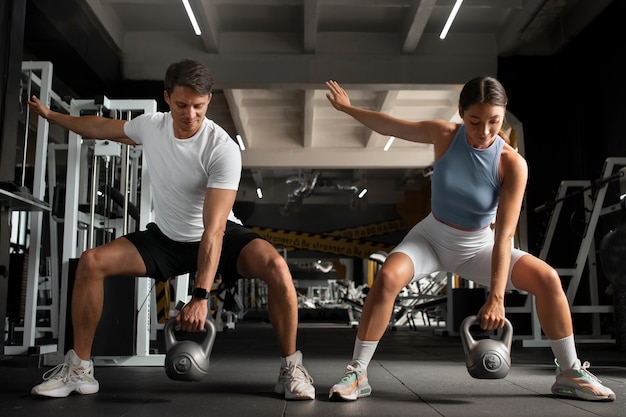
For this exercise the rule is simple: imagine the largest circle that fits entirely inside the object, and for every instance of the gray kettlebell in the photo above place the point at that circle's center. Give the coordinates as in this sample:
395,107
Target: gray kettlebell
187,360
487,358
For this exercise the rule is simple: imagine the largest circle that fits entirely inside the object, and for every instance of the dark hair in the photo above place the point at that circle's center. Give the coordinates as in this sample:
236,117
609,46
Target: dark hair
189,73
482,90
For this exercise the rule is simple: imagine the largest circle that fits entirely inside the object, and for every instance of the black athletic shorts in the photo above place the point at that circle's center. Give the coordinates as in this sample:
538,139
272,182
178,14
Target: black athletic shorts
166,258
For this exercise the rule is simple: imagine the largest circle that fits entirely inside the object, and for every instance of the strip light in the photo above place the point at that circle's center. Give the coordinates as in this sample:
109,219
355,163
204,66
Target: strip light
389,142
453,13
242,146
259,192
192,17
363,192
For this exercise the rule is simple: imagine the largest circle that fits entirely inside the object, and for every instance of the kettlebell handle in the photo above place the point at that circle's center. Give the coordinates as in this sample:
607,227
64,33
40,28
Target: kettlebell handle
506,337
207,344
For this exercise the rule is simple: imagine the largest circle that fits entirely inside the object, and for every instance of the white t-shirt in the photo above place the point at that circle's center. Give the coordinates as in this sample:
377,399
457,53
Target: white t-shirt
182,169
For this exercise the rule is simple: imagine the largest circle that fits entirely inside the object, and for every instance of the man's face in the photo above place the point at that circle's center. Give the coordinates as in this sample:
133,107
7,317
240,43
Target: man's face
188,110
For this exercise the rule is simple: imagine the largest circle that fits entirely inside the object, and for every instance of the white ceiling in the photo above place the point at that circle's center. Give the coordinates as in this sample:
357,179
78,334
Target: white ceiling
270,59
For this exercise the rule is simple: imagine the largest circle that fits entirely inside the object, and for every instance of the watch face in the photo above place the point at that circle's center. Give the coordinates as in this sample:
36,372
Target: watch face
200,293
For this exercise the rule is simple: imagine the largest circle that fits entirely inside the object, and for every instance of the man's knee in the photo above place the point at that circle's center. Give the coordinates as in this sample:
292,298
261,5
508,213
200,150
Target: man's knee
89,264
275,271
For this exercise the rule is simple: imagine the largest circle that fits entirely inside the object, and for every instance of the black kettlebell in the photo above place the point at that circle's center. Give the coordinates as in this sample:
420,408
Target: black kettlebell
487,358
187,360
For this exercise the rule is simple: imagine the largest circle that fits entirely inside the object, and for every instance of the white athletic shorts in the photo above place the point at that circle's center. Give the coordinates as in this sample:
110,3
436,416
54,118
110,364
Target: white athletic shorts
434,246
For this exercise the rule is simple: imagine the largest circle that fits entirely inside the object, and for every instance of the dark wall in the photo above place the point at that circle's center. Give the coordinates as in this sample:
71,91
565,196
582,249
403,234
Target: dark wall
12,14
571,106
86,60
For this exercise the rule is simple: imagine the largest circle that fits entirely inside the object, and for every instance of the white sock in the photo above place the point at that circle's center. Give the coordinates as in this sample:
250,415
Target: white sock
565,352
283,359
85,364
364,351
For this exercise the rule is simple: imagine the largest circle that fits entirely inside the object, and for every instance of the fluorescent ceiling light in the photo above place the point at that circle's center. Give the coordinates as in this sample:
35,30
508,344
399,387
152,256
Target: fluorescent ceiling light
389,142
242,146
192,17
259,192
363,192
453,13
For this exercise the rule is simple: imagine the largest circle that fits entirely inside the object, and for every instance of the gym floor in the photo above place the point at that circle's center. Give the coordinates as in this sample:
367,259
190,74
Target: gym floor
415,372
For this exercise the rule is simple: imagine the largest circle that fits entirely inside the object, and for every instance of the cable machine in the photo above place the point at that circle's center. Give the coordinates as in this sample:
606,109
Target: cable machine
104,175
38,76
594,205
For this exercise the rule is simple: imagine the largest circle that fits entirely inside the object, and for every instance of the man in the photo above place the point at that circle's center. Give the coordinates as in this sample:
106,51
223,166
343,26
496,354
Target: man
195,168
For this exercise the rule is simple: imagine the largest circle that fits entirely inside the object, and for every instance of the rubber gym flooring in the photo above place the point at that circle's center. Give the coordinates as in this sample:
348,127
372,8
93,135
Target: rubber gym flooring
415,372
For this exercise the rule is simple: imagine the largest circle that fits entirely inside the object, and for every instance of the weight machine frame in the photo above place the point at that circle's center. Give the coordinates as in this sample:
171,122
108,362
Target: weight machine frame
594,208
44,82
71,244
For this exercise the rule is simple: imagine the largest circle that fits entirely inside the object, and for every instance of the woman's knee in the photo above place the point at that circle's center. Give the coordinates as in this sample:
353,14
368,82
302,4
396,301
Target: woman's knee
388,283
552,280
535,276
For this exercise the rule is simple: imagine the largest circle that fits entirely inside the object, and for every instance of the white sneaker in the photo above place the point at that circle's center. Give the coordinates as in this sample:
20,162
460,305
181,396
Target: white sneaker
353,385
578,382
66,378
294,381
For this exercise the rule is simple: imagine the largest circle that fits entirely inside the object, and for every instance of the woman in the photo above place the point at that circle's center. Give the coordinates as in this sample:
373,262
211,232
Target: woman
478,179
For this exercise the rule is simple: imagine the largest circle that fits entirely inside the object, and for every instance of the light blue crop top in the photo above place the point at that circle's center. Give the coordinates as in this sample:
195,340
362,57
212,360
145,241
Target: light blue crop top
465,187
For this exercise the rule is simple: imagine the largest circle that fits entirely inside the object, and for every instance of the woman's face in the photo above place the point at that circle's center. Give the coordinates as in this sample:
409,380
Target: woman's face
482,123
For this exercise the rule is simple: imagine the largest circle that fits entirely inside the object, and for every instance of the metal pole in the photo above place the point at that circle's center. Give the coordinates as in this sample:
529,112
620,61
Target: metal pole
26,129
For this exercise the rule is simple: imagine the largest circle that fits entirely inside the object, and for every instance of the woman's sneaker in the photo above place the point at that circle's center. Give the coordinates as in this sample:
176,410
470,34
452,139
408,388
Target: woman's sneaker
580,383
352,386
66,378
294,381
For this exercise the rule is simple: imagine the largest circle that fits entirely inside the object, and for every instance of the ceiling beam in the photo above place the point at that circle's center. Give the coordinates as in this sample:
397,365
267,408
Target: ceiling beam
209,24
454,65
311,17
404,157
308,116
239,115
417,19
387,100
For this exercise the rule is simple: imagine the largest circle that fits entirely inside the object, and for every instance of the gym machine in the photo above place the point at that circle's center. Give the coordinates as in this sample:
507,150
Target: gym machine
30,209
595,205
92,181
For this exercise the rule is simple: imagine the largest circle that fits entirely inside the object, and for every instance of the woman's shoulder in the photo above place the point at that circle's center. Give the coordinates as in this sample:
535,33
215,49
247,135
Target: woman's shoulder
443,134
512,160
444,127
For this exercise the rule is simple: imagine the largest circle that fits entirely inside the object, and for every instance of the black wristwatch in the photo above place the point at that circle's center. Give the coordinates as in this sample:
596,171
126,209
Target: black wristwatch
200,293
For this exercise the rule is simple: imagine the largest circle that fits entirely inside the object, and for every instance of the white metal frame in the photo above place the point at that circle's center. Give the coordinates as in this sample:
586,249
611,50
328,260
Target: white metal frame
76,152
38,191
595,207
